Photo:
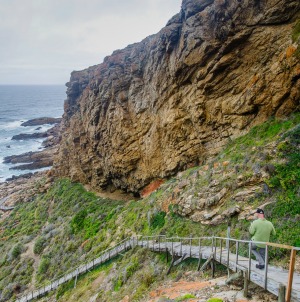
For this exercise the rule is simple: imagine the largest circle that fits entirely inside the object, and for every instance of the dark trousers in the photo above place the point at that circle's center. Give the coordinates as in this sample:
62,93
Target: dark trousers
259,253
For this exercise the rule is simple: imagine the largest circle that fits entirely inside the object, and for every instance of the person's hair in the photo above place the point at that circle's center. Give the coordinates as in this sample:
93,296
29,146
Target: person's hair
260,211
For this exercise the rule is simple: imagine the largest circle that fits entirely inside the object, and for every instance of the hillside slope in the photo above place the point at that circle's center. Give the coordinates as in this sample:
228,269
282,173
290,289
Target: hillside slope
173,100
55,230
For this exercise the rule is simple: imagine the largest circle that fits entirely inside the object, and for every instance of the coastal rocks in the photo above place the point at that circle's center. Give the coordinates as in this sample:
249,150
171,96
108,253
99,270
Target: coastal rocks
176,98
32,160
24,136
22,189
39,159
42,121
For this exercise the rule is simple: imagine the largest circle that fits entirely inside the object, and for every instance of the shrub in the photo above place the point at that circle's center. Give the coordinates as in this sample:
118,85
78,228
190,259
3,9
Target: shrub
77,223
44,265
91,227
16,251
158,220
185,297
39,245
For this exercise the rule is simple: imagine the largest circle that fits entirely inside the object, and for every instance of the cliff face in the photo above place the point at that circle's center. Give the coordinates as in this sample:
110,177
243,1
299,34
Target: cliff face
217,68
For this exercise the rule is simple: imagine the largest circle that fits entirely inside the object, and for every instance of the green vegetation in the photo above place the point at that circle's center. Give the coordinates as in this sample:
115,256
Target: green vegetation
158,220
246,147
296,32
286,183
185,297
215,300
68,226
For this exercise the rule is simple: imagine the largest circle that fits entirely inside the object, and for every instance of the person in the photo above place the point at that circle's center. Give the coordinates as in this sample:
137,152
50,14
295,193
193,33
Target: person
261,230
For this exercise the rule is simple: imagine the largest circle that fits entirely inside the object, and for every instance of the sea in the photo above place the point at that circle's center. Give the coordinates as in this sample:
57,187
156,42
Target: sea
20,103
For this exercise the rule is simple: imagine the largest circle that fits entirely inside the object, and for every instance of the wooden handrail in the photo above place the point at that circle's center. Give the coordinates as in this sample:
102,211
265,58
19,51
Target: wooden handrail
133,241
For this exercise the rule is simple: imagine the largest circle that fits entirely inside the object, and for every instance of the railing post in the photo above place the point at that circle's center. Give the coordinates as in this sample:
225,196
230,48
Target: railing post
246,283
76,278
228,252
281,293
200,255
180,246
291,275
249,264
266,267
228,234
221,250
159,243
214,256
236,255
215,249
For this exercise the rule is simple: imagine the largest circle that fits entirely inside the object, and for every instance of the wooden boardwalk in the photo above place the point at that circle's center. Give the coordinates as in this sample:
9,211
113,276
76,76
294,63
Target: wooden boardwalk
105,256
269,279
272,278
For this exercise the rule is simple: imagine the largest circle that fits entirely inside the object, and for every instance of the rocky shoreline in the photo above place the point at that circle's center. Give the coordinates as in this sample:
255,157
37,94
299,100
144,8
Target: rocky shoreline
39,159
21,189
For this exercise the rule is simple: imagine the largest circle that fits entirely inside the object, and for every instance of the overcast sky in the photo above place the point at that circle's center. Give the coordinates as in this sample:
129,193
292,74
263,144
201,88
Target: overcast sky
43,41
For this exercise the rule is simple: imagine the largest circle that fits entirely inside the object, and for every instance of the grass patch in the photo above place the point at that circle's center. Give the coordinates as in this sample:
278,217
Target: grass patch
296,32
185,297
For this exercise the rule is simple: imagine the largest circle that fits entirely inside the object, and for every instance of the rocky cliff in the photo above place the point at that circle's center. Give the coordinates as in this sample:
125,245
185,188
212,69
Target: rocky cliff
174,99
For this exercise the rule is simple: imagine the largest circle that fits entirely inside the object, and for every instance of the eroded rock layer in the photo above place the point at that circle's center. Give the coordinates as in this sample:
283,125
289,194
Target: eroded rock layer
217,68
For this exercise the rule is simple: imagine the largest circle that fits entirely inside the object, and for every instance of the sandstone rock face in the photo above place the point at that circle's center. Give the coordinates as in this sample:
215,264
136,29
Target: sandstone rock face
158,106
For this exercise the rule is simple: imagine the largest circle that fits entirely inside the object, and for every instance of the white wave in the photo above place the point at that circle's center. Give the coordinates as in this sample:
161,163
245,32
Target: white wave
12,125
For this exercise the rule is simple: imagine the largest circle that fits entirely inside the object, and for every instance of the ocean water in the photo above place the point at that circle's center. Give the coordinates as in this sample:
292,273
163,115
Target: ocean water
21,103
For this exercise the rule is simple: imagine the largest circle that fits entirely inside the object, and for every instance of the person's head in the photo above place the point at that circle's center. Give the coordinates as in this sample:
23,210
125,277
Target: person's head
260,213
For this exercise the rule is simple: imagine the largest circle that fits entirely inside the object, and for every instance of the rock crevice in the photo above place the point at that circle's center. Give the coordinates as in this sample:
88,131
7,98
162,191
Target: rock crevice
169,102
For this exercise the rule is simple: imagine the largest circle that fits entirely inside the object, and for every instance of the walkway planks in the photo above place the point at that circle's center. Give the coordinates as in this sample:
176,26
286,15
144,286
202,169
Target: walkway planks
271,278
105,256
275,277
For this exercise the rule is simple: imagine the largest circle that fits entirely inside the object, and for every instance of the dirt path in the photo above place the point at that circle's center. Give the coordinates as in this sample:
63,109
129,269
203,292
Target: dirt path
116,195
203,290
30,254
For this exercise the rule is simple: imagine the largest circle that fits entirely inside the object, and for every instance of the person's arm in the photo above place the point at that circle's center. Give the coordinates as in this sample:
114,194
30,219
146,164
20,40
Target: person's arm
252,228
273,232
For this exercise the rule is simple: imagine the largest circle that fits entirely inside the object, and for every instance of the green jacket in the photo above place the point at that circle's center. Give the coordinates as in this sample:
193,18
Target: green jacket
261,229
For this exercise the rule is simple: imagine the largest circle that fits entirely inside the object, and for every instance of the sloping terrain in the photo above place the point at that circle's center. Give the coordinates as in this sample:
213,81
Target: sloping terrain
55,230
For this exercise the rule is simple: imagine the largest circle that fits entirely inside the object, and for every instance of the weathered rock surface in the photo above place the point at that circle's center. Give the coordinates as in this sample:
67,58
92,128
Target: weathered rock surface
26,136
32,160
41,121
39,159
158,106
22,189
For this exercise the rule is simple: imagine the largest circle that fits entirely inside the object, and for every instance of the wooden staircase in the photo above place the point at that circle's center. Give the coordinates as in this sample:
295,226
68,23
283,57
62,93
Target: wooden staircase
232,253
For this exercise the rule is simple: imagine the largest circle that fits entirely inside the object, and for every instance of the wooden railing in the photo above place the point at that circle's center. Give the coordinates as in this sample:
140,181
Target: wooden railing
220,245
104,257
227,251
